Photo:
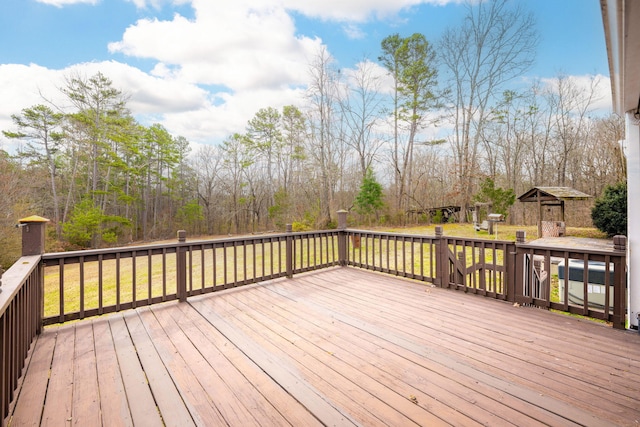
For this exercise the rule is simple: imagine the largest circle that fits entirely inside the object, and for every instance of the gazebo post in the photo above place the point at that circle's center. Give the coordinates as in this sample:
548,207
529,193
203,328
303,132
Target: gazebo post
539,212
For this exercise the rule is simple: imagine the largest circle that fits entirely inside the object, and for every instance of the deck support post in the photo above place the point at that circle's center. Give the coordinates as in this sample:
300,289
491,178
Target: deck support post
342,237
181,267
289,251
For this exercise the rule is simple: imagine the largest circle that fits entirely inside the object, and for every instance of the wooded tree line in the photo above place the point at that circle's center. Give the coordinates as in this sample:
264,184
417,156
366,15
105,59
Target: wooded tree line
104,178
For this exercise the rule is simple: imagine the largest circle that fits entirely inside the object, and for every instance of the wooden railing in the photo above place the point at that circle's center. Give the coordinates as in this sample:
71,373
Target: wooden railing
526,274
405,255
88,283
588,282
20,321
484,267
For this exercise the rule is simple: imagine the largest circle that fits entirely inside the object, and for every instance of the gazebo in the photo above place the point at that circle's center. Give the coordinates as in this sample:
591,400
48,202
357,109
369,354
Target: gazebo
551,196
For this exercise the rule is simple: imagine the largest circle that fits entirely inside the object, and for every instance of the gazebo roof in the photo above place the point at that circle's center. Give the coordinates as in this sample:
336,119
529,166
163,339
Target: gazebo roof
553,194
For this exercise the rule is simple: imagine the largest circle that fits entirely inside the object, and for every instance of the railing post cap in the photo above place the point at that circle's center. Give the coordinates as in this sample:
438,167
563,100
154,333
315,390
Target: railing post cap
439,231
32,218
182,235
289,228
343,211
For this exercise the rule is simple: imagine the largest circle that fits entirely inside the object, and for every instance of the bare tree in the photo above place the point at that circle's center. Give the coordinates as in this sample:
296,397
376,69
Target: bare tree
207,164
570,105
537,132
322,94
504,138
600,161
361,107
493,45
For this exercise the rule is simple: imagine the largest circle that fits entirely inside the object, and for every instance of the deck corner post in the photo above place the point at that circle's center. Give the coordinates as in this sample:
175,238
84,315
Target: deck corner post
33,239
620,283
289,251
33,234
342,237
181,267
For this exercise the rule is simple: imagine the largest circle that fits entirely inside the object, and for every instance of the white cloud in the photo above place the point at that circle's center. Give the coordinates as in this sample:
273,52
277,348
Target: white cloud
61,3
235,46
354,10
21,87
353,31
215,122
156,4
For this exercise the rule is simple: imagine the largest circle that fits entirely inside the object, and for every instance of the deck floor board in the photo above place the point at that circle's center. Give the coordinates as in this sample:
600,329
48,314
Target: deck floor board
498,353
341,346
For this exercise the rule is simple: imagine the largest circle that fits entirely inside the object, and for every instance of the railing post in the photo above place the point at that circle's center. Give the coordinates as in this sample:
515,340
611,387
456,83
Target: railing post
289,251
619,278
511,264
342,237
516,287
181,267
33,239
33,234
442,259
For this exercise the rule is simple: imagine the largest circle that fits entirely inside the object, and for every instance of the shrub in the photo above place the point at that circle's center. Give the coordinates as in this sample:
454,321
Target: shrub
438,217
88,225
300,226
609,214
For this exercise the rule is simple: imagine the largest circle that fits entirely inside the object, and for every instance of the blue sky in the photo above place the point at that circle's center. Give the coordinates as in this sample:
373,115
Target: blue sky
202,68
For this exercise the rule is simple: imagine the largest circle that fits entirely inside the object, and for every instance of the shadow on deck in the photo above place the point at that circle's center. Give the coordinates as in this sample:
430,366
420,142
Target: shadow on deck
337,347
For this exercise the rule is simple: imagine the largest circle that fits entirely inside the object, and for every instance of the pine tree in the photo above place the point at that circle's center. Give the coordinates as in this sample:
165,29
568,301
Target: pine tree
369,199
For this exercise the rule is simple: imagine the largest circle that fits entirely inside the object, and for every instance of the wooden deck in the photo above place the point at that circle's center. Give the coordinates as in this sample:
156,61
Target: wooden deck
336,347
